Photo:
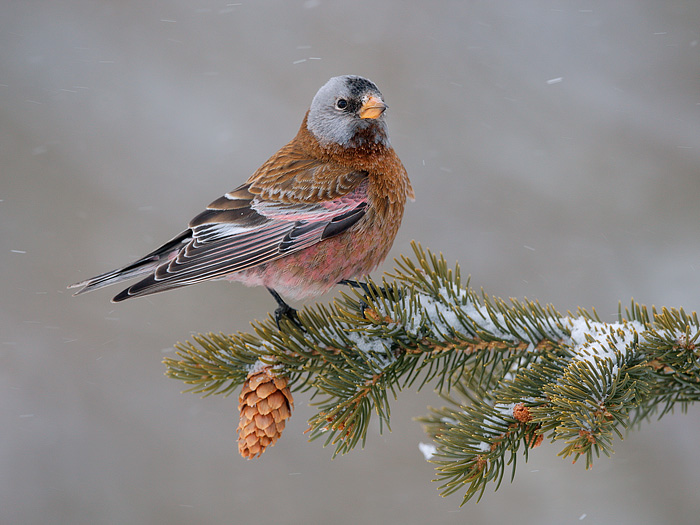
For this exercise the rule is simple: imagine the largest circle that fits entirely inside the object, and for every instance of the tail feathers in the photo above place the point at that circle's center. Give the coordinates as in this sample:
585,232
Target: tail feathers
144,266
116,276
147,286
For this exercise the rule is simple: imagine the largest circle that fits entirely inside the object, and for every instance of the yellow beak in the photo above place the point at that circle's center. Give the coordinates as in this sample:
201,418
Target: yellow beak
373,107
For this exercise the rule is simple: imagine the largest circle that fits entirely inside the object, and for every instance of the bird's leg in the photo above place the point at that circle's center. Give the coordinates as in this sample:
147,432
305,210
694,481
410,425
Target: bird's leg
356,284
365,288
284,310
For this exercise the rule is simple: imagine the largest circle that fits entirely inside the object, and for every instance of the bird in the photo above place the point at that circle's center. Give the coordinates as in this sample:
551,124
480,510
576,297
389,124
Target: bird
324,210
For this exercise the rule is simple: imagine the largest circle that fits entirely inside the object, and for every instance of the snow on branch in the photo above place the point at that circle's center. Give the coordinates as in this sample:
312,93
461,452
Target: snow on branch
513,373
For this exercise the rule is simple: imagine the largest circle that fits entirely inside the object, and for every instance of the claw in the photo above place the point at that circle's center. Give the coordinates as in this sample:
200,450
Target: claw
388,294
285,311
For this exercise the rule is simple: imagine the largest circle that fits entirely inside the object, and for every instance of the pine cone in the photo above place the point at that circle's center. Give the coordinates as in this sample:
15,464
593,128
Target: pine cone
265,404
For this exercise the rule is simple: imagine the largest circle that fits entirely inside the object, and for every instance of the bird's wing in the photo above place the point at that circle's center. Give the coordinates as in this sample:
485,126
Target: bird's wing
260,222
292,176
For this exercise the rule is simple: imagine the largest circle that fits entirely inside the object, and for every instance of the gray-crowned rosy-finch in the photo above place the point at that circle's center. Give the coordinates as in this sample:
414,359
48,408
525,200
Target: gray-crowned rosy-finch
322,210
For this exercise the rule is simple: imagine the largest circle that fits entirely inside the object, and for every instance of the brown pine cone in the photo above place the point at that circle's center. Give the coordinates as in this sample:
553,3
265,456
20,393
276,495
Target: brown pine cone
265,404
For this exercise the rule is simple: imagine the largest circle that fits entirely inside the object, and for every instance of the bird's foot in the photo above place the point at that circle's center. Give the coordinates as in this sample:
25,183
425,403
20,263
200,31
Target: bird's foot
368,292
289,313
284,311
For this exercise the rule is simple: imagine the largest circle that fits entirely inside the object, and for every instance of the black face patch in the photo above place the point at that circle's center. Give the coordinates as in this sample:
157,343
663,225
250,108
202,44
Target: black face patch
354,105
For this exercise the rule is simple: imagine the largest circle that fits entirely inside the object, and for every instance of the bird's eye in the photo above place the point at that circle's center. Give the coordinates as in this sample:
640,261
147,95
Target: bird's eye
341,103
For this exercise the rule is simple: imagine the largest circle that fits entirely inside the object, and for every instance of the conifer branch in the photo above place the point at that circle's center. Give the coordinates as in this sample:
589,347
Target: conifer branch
512,373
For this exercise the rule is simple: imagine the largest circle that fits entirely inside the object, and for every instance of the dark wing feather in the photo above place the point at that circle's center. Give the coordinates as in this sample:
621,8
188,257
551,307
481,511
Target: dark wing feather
250,226
343,221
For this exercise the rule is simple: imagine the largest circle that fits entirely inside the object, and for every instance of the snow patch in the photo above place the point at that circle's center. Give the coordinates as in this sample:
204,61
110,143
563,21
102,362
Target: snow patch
376,349
428,450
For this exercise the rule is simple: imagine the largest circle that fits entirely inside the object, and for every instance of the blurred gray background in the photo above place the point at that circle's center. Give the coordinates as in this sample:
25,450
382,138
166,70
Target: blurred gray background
555,152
